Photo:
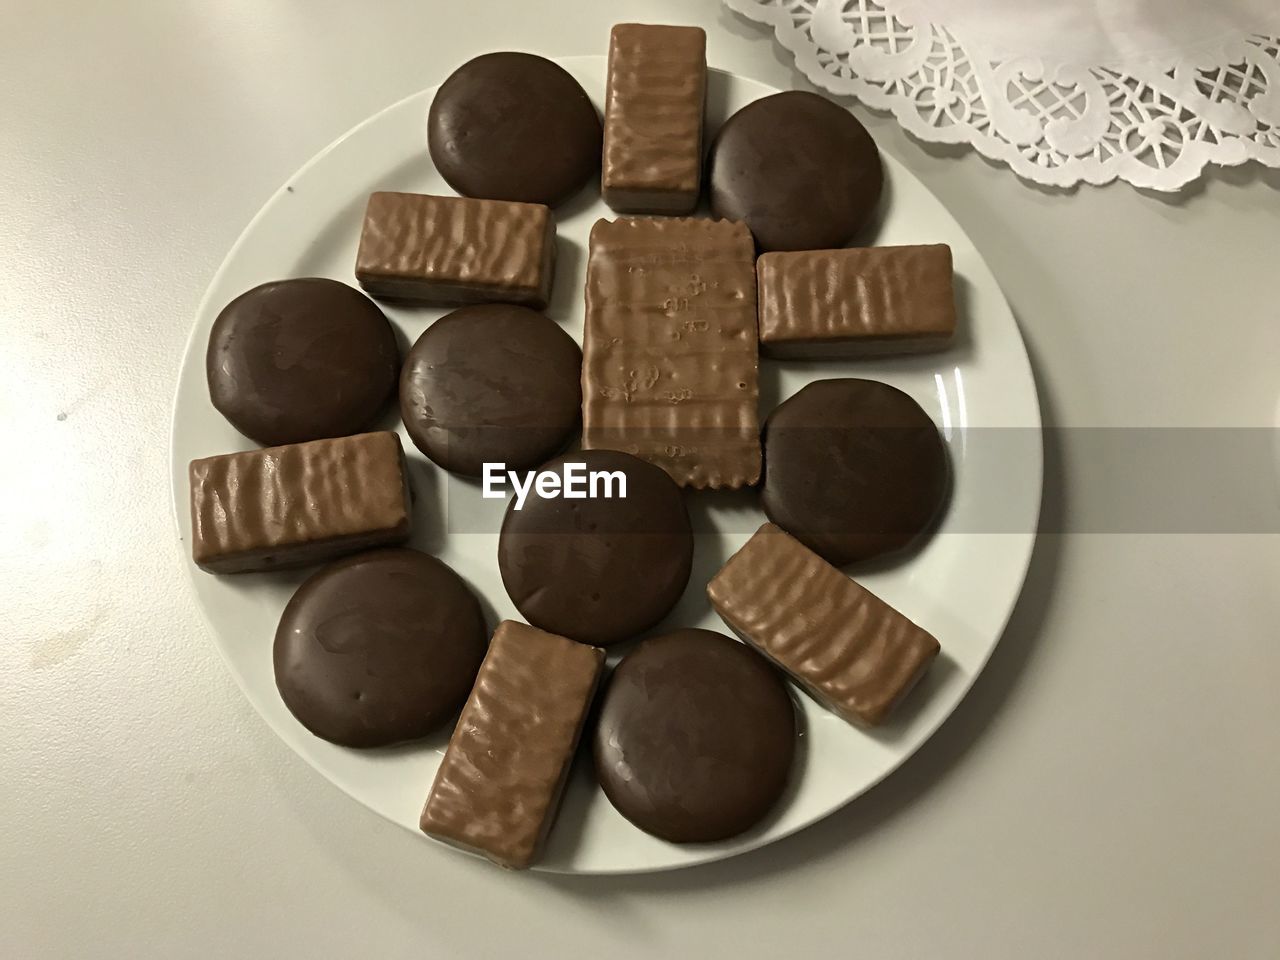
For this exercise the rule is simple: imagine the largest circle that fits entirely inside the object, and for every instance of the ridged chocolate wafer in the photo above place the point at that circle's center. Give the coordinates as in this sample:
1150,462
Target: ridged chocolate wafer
856,301
499,785
852,651
456,250
657,85
298,504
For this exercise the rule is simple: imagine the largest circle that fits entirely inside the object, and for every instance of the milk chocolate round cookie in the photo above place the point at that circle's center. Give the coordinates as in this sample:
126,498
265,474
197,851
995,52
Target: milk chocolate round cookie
299,360
492,383
802,172
379,648
695,737
514,126
601,567
853,469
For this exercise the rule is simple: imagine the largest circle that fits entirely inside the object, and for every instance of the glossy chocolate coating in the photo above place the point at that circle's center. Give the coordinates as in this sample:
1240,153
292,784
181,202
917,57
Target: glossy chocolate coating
856,302
695,737
446,251
492,383
670,369
853,469
853,652
656,92
500,782
598,570
802,172
299,360
378,648
514,126
298,504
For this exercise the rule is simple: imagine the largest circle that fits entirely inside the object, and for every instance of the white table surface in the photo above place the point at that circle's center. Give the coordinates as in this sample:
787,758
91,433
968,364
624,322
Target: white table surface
1110,788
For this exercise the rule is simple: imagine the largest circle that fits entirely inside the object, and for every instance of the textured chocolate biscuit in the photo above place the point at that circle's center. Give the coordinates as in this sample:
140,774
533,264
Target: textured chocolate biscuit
514,126
298,504
598,569
299,360
859,301
853,469
670,353
656,93
852,651
499,785
695,737
378,648
453,250
799,170
492,383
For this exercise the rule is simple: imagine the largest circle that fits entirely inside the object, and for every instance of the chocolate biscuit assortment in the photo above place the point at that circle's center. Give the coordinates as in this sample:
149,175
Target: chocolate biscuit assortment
695,735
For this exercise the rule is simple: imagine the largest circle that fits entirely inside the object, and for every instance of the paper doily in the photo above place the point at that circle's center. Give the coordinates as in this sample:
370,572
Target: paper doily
1099,98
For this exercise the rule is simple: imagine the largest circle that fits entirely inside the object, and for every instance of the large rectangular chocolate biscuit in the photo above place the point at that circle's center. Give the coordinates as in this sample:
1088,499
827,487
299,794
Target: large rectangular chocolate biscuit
654,102
500,782
852,651
856,301
670,354
298,504
456,250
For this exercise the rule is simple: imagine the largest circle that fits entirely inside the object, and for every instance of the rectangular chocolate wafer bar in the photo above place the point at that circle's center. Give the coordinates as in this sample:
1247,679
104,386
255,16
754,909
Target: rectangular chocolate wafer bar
455,250
298,504
670,353
852,651
656,92
499,785
857,301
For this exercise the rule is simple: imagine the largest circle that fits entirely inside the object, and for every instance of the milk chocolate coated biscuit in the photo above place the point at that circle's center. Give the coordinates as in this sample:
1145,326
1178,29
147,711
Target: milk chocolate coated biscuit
695,737
859,301
453,250
598,569
299,360
299,504
670,351
492,383
499,785
857,655
514,126
378,648
799,170
657,86
853,469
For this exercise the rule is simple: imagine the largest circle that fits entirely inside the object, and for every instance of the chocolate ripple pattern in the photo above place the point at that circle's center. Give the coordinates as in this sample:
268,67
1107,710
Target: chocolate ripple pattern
456,250
670,350
852,651
653,118
856,301
298,504
500,783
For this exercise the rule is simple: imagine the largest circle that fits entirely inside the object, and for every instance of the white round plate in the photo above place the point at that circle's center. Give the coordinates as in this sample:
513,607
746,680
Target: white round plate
961,586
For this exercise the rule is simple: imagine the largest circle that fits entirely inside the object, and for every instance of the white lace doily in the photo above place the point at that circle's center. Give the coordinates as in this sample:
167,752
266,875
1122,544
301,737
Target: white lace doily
1148,91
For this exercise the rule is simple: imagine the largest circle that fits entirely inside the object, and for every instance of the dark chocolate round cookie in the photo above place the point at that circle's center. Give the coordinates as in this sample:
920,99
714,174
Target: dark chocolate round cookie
492,383
514,126
379,648
853,469
298,360
598,569
802,172
695,737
